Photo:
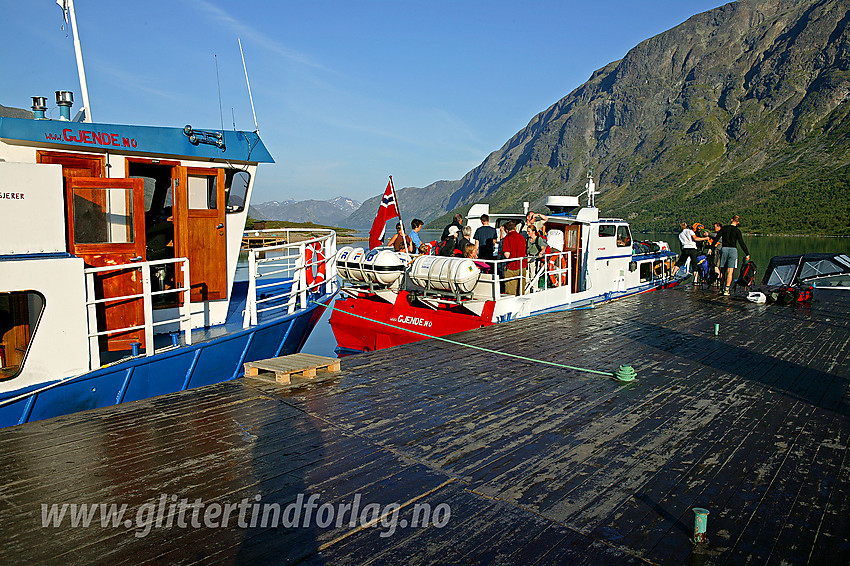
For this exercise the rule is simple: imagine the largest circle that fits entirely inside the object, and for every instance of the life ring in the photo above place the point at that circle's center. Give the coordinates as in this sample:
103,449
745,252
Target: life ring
319,277
553,266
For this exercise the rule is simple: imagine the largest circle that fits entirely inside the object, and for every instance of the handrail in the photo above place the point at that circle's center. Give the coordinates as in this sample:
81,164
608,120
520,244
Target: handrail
184,313
287,265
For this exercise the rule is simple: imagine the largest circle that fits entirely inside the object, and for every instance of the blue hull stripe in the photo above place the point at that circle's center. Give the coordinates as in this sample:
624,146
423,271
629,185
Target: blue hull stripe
211,361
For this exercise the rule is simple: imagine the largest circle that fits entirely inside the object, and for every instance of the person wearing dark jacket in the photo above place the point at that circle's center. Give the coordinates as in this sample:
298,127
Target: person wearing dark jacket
449,244
457,222
730,237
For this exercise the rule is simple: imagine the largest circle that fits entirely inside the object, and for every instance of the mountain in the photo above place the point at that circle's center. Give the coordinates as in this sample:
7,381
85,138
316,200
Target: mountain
327,212
742,109
10,112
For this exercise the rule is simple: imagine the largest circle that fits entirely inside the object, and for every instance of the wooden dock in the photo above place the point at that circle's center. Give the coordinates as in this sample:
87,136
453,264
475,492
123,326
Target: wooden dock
536,464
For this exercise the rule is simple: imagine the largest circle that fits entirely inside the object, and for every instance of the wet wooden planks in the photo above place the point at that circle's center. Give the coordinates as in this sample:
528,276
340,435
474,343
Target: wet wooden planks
537,464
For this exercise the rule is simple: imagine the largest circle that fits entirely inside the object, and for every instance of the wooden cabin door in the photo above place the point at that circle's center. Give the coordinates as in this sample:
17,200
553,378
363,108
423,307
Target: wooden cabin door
74,164
200,232
106,227
572,244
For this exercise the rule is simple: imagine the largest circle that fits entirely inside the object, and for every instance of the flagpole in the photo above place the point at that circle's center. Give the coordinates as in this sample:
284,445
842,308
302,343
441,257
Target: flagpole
400,219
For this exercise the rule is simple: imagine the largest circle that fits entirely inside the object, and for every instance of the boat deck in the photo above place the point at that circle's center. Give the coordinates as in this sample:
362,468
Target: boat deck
537,464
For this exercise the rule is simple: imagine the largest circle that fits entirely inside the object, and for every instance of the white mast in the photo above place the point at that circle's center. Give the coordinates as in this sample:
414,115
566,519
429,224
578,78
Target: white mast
68,10
250,96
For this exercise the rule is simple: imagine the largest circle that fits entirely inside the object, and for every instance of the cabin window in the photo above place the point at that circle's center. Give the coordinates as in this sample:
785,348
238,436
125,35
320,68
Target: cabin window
822,267
103,215
624,238
607,230
202,192
658,269
20,312
236,190
645,271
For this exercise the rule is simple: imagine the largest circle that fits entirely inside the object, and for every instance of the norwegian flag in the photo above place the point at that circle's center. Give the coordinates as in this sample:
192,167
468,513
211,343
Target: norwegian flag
387,210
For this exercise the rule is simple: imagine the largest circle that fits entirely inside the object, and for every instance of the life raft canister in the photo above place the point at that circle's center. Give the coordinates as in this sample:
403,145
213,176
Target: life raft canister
319,276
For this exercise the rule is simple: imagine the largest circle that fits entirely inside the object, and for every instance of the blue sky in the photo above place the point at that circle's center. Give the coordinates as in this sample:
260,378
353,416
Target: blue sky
346,93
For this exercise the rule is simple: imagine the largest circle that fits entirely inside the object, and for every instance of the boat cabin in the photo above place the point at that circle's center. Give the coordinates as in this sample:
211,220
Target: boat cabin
78,200
600,249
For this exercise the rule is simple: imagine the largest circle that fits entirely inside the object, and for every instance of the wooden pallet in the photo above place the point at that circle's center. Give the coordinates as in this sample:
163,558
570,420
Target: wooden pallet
284,367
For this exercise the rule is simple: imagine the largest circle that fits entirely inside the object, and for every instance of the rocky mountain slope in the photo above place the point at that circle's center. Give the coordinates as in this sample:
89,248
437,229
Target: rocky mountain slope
742,109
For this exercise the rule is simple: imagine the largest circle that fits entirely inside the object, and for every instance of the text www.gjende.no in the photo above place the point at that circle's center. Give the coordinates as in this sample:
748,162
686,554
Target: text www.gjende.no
170,512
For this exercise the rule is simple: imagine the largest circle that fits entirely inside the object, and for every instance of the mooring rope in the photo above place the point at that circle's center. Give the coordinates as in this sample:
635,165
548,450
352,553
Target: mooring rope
624,373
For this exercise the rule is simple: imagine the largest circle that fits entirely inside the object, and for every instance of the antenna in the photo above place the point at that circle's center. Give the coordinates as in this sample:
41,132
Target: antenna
256,127
218,83
591,190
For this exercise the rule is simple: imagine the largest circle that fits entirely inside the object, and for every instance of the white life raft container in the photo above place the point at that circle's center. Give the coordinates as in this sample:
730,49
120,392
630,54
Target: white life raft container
379,266
349,264
383,267
453,274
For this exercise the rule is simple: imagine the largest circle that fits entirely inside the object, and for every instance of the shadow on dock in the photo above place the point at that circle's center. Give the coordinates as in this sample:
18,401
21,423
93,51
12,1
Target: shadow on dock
514,462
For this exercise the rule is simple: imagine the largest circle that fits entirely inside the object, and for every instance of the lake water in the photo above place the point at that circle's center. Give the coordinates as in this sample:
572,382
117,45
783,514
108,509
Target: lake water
321,341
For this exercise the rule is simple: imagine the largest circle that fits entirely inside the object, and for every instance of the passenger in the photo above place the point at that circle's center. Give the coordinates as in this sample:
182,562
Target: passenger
730,236
466,238
471,252
715,241
689,250
536,219
535,248
400,241
416,226
486,237
448,246
457,223
424,249
513,248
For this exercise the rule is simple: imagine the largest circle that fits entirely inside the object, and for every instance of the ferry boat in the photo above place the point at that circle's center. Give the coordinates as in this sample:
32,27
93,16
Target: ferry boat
391,298
119,248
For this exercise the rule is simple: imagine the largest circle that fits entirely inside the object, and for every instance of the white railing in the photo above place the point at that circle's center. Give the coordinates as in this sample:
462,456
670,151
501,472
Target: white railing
147,324
528,280
290,276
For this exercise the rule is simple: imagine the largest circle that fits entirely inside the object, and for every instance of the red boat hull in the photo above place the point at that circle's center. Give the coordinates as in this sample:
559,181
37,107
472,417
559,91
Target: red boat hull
409,323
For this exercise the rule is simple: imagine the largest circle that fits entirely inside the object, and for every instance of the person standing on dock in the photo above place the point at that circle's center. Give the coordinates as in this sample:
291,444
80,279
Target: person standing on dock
730,237
689,240
513,247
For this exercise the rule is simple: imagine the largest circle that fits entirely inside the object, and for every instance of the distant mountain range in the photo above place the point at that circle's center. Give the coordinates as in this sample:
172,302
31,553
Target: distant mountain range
328,212
744,109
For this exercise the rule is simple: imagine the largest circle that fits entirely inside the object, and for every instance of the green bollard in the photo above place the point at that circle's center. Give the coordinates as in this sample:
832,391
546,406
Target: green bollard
716,329
700,525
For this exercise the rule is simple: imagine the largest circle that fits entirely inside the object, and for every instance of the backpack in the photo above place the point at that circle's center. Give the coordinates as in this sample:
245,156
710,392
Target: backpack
703,268
640,248
747,275
447,247
789,294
